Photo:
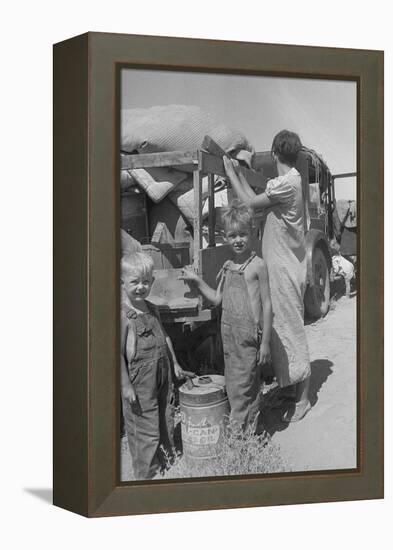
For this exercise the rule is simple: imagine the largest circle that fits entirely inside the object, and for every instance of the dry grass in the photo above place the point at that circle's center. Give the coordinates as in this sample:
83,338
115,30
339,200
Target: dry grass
240,453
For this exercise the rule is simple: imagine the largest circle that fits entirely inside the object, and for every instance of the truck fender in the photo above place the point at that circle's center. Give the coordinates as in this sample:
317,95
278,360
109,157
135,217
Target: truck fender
314,238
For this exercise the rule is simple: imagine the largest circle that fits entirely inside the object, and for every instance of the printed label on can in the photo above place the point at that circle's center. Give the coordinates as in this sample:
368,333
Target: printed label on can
198,435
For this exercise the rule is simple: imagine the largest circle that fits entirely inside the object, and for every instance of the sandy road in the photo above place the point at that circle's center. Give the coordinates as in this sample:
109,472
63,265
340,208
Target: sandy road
326,437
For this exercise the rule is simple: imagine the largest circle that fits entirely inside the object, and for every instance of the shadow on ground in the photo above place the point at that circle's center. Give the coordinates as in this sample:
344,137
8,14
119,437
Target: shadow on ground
337,291
43,494
273,406
337,288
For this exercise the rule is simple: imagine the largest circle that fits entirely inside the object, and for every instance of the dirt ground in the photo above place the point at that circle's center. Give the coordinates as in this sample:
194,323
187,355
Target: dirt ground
326,437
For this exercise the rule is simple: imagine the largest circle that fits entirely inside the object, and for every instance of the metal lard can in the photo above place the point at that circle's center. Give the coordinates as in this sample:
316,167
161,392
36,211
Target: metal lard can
204,410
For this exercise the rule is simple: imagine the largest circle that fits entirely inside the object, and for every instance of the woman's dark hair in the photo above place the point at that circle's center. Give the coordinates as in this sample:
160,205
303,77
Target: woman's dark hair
286,145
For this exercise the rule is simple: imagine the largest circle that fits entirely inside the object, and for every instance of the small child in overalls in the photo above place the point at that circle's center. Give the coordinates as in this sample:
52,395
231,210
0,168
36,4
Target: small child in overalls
243,291
146,378
341,267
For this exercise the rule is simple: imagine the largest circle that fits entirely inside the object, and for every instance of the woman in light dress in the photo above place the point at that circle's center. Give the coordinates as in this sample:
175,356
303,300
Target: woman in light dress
283,248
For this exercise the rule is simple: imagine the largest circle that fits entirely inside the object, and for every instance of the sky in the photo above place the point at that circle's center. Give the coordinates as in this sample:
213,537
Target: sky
322,112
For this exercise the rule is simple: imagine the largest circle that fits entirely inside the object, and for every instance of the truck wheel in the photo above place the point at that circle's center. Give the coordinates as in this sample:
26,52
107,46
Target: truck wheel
317,296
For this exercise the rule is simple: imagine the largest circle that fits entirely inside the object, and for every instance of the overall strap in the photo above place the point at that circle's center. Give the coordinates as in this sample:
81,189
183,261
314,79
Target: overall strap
247,262
156,326
131,314
128,311
223,270
237,309
133,319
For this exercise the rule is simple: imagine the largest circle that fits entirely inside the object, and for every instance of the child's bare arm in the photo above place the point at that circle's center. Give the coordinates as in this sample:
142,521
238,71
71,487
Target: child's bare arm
267,312
127,342
179,372
213,296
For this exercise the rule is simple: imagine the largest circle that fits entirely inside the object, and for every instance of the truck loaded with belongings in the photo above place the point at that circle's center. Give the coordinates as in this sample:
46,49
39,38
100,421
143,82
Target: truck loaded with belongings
173,189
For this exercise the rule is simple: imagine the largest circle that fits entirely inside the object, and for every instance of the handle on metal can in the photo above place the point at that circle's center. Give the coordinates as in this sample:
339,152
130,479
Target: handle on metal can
204,380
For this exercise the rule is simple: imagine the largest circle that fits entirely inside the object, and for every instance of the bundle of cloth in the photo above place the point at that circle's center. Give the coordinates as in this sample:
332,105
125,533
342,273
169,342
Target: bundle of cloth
175,128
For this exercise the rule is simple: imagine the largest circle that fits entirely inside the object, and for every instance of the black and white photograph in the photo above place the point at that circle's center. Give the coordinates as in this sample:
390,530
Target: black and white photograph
238,275
197,235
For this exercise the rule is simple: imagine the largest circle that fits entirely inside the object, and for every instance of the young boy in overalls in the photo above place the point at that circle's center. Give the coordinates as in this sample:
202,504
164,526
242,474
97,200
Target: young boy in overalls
243,291
146,378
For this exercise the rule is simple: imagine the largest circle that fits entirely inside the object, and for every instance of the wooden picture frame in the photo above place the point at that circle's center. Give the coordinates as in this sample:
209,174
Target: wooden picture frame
86,274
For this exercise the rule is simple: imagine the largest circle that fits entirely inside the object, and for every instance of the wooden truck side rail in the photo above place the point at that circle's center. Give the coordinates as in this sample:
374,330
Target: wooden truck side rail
201,164
206,262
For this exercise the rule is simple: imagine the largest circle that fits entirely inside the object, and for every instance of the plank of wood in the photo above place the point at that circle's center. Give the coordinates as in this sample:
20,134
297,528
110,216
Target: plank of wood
255,179
212,260
212,147
263,161
161,234
185,167
211,214
211,164
302,166
155,160
347,175
202,316
197,179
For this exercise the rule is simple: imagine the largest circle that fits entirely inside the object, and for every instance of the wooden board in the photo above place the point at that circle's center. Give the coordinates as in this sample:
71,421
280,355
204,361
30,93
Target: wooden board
197,219
170,293
133,215
212,260
214,165
154,160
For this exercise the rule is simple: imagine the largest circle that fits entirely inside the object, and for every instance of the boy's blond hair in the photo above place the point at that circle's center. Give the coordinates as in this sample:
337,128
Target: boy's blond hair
138,262
238,215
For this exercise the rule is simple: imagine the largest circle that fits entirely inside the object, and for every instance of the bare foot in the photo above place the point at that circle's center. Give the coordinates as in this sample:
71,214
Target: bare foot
297,411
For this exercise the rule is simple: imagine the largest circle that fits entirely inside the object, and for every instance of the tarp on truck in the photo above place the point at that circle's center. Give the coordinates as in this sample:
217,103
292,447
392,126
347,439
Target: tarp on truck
178,128
174,128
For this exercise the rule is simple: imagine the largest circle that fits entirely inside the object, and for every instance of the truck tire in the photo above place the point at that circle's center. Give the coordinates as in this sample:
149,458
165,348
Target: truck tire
317,296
